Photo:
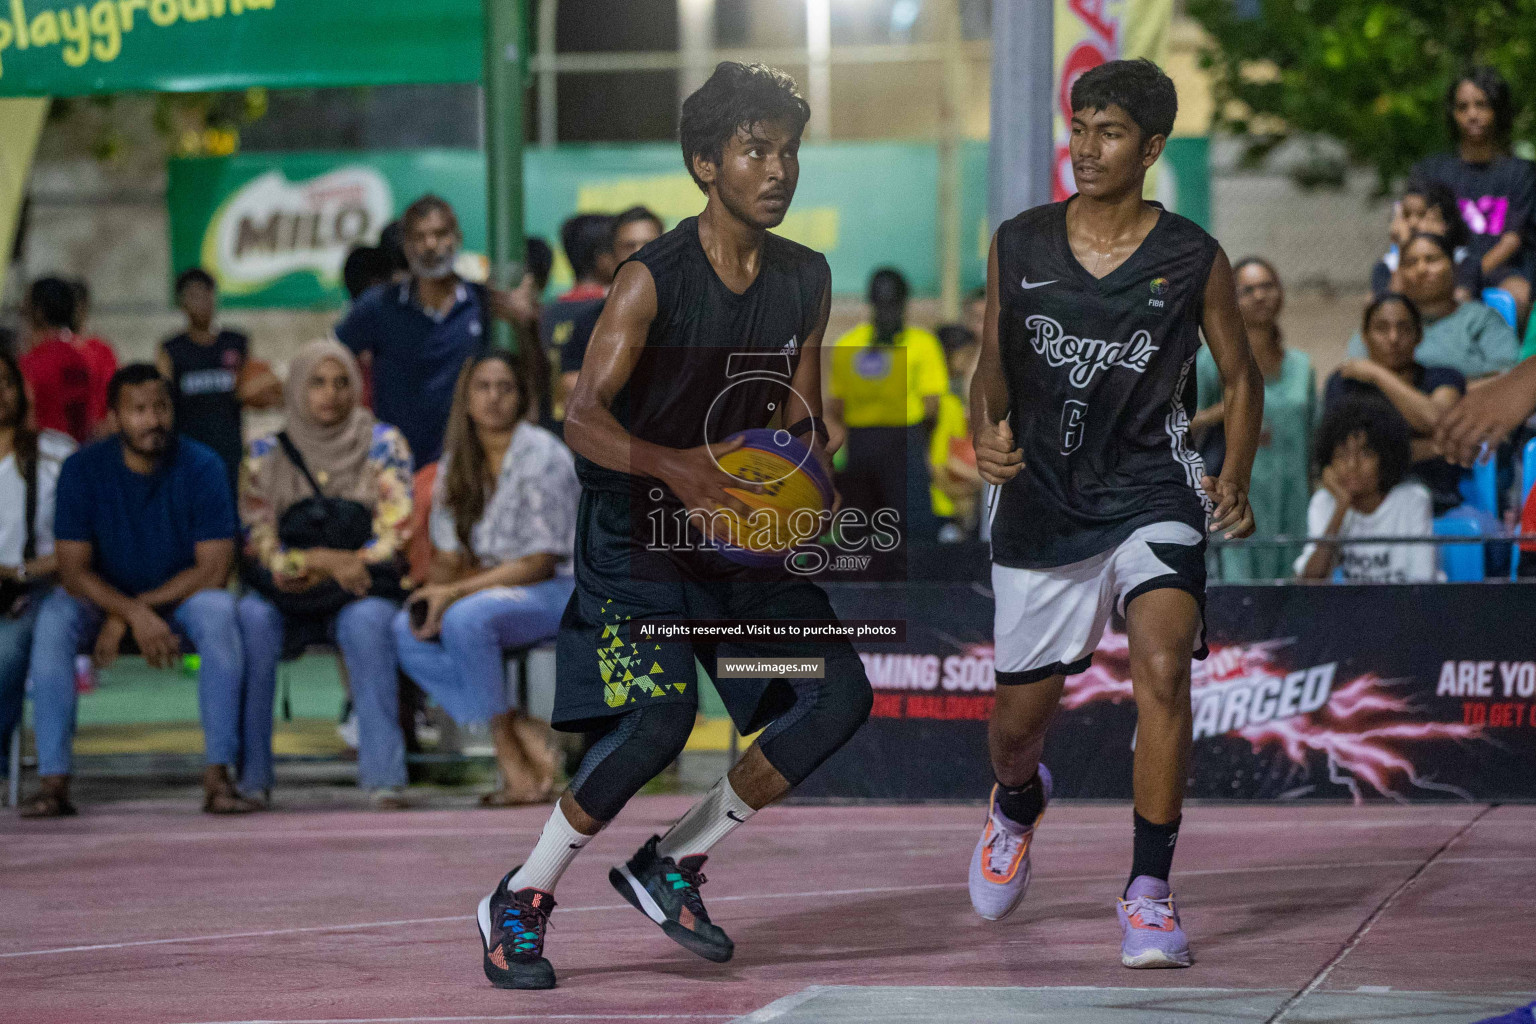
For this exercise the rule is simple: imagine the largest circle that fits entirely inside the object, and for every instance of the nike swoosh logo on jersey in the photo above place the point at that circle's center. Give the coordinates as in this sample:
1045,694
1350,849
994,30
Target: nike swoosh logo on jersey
1027,284
733,817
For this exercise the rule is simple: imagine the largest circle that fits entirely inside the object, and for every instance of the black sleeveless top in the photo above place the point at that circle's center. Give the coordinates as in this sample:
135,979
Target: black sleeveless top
203,383
714,362
1101,386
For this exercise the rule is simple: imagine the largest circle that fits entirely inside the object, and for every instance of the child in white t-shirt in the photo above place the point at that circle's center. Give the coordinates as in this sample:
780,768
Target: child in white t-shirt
1363,446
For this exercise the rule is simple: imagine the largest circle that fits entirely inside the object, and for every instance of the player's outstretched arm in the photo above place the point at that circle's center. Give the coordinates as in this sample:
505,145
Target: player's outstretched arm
998,458
593,432
1243,390
1487,415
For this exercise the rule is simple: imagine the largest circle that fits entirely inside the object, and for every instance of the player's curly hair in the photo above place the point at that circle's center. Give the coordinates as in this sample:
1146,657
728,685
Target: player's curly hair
737,96
1139,87
1385,431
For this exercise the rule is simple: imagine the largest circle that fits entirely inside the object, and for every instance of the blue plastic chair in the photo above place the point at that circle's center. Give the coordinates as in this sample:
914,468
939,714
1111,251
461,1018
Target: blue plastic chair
1461,563
1479,486
1527,481
1502,303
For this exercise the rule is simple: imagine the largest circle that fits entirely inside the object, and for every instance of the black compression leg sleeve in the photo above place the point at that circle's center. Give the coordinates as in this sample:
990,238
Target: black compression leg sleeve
826,713
629,755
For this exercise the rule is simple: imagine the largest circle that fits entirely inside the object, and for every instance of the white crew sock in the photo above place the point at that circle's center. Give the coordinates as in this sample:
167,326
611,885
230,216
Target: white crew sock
706,823
558,845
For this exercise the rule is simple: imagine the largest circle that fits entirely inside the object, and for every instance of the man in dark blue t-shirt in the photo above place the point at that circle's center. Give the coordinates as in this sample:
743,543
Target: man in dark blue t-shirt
145,538
418,333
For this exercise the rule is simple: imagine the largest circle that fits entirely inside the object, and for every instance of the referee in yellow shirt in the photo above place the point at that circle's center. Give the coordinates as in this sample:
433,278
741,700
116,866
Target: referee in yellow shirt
885,385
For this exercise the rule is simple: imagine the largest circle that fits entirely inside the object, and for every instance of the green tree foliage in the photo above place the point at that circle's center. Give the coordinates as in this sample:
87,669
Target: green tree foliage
1370,74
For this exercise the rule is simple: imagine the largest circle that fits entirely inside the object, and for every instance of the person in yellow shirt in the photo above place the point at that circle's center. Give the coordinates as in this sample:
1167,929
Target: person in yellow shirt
886,383
951,457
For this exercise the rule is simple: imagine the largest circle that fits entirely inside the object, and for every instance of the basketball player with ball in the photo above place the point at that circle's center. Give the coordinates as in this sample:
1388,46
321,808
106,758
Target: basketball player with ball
1080,407
706,360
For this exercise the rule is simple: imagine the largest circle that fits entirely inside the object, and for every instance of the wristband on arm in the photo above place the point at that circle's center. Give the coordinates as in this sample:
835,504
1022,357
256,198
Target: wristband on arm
809,424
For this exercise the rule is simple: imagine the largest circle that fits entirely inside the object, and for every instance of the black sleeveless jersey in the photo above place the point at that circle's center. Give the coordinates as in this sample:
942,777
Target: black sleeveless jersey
204,381
714,362
1101,385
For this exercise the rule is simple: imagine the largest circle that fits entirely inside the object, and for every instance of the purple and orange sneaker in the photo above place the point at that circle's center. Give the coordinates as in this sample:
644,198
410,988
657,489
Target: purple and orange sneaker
1000,862
1149,926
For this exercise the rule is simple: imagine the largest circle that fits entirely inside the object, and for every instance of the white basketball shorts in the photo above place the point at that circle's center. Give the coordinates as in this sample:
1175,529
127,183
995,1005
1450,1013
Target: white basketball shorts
1049,621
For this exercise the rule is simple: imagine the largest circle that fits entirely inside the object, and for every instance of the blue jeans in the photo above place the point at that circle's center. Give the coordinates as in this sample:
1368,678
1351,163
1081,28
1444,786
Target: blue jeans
361,631
66,626
15,651
463,670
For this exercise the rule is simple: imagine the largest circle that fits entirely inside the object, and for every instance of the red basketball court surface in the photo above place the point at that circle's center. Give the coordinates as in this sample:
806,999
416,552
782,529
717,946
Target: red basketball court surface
144,910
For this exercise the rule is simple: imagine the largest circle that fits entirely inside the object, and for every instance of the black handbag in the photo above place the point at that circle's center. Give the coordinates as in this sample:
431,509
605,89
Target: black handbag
320,521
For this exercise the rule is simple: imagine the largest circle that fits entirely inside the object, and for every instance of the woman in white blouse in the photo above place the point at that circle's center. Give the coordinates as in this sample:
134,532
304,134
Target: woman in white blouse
503,525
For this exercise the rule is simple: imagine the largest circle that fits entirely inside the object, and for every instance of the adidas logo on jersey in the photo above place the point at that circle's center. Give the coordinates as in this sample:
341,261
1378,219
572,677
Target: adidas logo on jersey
790,345
1087,356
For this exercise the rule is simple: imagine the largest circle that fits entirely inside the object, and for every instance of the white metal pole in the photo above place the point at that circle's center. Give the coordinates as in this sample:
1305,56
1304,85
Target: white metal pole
818,47
696,39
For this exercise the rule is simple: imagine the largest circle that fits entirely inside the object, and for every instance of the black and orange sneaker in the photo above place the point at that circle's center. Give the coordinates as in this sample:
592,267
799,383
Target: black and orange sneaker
512,928
667,892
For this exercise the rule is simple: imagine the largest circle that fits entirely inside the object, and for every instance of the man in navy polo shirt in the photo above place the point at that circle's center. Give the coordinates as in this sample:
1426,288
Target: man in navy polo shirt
418,332
144,528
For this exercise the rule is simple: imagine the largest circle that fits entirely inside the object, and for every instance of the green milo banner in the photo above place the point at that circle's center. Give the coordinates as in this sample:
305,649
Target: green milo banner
59,48
274,229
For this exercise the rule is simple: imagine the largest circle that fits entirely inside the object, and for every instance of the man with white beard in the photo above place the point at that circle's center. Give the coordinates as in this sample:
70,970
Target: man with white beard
418,332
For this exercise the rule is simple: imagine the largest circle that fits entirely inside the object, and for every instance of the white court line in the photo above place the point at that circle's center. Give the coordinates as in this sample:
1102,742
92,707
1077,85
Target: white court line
516,1016
1193,828
867,891
779,1007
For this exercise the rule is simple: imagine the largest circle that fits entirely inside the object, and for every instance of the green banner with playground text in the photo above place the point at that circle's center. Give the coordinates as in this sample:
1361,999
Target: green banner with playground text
274,228
58,48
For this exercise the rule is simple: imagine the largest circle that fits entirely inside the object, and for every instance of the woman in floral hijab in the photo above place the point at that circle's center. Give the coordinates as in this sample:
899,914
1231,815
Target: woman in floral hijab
350,456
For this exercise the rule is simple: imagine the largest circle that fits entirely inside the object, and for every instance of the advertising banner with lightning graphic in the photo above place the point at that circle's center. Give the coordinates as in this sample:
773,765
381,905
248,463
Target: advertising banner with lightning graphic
1405,693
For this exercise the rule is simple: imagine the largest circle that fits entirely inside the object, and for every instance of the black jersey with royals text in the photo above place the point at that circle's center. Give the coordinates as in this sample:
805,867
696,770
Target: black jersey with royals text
715,362
1101,384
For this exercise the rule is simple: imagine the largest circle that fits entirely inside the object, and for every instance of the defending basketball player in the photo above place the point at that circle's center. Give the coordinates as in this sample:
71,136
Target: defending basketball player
1081,402
685,356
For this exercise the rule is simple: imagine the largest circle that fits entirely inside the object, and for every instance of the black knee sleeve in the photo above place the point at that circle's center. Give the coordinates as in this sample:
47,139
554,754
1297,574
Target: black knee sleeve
825,715
632,753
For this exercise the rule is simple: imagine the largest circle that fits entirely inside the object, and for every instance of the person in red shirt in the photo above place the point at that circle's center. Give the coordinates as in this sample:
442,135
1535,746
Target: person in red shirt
55,370
100,357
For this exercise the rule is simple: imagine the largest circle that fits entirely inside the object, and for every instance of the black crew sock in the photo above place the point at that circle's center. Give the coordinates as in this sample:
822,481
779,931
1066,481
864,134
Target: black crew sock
1022,804
1153,848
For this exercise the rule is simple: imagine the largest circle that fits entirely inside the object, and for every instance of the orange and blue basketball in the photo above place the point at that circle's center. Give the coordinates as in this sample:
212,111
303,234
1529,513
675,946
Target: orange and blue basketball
789,511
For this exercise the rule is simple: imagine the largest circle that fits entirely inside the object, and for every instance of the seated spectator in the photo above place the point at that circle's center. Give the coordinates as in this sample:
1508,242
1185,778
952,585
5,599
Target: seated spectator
1362,447
55,369
1464,336
1495,189
565,325
145,539
1280,483
1422,394
366,266
951,457
1427,207
633,230
323,504
29,475
503,524
100,358
212,375
886,382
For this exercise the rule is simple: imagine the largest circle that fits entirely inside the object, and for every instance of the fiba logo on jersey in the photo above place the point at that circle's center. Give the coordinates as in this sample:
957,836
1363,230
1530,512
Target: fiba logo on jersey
1158,287
1087,356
